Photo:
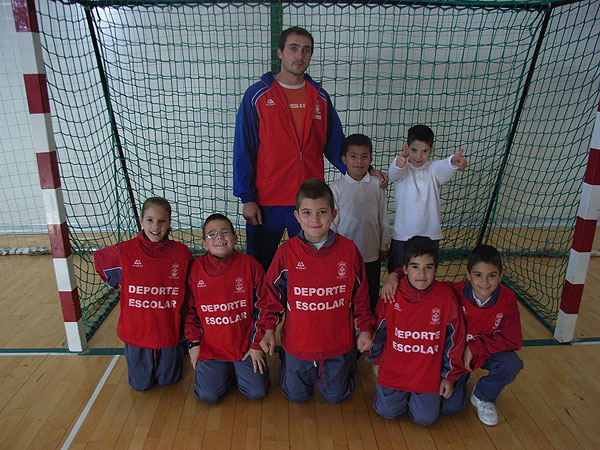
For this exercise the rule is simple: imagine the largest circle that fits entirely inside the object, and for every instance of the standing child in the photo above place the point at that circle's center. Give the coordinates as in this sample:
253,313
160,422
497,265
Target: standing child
362,209
419,340
151,271
317,279
224,289
493,334
418,190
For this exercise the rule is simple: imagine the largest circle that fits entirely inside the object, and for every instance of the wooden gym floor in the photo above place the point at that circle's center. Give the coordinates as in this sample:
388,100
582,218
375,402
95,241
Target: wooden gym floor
52,399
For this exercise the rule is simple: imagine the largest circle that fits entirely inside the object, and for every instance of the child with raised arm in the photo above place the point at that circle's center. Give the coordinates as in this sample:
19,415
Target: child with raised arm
418,182
317,279
151,272
493,334
362,209
419,341
224,288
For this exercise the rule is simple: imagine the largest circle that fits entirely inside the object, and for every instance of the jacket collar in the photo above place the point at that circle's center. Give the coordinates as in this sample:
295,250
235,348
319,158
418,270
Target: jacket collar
324,250
154,249
365,179
467,292
215,267
269,78
412,294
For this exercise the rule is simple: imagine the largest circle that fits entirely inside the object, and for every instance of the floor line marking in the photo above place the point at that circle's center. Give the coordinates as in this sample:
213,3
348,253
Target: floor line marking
91,401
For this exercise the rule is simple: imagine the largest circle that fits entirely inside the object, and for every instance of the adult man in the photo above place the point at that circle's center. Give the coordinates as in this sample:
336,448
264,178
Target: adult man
285,124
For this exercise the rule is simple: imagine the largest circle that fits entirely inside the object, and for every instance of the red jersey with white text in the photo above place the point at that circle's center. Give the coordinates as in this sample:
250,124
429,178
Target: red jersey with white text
321,292
152,277
222,305
492,328
425,338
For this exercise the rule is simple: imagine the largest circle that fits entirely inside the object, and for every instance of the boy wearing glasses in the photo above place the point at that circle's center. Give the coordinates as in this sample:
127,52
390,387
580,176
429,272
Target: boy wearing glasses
220,316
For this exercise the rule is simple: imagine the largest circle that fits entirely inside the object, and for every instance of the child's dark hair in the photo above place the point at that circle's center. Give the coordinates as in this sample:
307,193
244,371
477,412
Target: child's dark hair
486,254
314,189
420,133
419,246
295,30
358,140
216,216
157,201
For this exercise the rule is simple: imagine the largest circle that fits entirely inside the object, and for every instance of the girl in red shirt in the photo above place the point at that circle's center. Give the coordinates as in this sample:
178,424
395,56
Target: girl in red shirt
150,270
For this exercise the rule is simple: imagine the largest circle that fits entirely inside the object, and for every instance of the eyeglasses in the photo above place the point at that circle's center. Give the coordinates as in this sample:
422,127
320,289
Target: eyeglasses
224,233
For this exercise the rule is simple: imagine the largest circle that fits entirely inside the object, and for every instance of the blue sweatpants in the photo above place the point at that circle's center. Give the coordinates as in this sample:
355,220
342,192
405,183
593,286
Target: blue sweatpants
147,367
262,240
213,378
423,408
503,368
334,376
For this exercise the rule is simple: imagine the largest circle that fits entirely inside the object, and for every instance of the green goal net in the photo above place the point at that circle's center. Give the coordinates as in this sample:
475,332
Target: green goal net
145,94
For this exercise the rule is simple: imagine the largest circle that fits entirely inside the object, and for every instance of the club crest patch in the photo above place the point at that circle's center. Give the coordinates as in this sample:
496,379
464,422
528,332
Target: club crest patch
317,114
342,270
435,316
239,284
174,271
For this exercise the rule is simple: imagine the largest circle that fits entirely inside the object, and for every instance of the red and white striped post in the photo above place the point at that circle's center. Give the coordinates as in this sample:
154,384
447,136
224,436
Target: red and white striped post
26,25
583,238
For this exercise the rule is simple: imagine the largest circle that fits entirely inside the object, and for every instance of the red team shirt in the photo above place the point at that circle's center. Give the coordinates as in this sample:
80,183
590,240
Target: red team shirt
493,328
424,338
152,276
223,304
321,292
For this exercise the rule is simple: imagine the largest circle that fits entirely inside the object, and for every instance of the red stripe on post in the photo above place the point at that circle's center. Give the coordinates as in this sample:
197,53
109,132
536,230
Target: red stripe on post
583,237
69,302
25,16
571,298
592,172
60,244
37,93
48,169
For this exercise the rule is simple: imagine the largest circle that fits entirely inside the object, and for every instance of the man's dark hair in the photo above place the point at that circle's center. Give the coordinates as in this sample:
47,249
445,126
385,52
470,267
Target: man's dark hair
359,140
295,30
314,189
484,253
419,246
420,133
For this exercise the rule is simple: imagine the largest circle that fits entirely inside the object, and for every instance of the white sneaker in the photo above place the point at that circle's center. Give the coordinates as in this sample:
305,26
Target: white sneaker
486,411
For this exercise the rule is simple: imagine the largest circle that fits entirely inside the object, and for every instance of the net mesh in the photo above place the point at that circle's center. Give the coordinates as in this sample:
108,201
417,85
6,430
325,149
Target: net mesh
174,75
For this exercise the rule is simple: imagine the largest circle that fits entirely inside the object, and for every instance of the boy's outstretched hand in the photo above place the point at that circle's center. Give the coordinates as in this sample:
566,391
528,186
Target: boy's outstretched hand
383,179
267,343
258,360
446,388
402,159
459,160
389,288
364,341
